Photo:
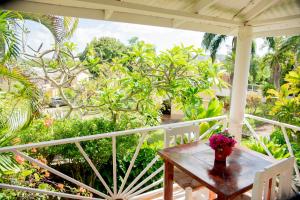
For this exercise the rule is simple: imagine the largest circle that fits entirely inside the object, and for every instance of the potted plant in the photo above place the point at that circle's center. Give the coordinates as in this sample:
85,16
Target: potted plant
222,143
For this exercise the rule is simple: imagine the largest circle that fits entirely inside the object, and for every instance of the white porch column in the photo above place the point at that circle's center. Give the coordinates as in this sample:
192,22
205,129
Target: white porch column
240,81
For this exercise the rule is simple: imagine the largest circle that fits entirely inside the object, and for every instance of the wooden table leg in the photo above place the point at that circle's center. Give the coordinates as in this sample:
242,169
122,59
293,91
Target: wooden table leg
221,197
168,181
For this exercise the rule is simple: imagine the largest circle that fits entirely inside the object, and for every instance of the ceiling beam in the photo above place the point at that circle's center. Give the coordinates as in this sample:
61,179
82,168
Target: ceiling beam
98,14
204,4
134,8
108,14
287,20
279,32
260,7
176,23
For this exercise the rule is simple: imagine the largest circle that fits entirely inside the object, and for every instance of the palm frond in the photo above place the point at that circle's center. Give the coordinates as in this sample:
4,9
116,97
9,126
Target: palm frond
207,40
70,25
291,43
60,27
215,45
7,164
270,42
27,99
9,38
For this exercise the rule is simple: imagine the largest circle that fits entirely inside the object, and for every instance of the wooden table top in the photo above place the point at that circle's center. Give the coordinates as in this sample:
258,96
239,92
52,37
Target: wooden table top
197,160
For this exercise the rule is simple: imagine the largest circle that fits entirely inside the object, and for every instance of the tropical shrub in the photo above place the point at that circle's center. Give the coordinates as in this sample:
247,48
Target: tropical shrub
67,159
30,175
277,150
253,100
287,104
145,156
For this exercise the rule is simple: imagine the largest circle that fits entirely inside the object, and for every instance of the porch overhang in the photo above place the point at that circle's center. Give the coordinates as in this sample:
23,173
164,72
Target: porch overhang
266,17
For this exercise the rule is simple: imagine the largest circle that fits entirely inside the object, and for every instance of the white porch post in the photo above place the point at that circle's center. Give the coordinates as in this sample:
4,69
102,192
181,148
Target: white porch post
240,81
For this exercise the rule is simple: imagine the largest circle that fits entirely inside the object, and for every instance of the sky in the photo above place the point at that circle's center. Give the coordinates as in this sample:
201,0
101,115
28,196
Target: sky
162,38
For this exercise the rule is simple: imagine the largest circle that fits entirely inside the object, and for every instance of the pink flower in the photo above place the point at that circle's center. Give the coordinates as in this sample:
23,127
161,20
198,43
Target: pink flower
60,186
221,141
19,159
48,122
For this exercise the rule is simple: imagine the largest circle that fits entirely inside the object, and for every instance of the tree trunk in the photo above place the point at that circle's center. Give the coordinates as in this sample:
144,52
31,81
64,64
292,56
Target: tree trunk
276,75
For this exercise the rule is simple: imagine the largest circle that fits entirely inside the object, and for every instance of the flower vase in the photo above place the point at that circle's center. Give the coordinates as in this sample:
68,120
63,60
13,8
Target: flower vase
220,155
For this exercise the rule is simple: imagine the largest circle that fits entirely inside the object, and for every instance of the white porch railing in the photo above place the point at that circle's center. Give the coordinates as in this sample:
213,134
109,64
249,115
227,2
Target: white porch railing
131,190
138,188
283,127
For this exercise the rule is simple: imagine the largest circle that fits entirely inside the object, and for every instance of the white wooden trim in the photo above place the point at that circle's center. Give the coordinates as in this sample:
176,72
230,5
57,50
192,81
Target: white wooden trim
140,175
108,14
105,135
288,19
259,8
86,157
144,181
283,127
277,123
54,171
277,32
132,162
204,4
133,12
287,141
209,130
127,7
257,138
147,188
114,154
240,81
283,169
176,23
51,193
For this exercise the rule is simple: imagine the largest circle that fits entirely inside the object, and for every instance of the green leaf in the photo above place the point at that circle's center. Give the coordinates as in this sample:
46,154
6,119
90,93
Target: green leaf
27,172
36,177
44,186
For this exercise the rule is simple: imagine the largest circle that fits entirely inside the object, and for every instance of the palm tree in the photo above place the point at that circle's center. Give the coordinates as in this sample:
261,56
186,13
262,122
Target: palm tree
9,40
212,43
61,28
292,44
17,109
278,47
19,106
281,50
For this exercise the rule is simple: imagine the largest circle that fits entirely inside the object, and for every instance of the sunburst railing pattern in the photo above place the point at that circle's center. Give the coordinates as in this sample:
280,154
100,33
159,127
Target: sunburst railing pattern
138,186
283,127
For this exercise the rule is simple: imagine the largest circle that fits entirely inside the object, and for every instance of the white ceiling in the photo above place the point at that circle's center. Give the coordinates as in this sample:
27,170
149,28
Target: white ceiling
267,17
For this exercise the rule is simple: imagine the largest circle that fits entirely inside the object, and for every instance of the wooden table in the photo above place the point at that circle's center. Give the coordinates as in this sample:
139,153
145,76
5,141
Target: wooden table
197,160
